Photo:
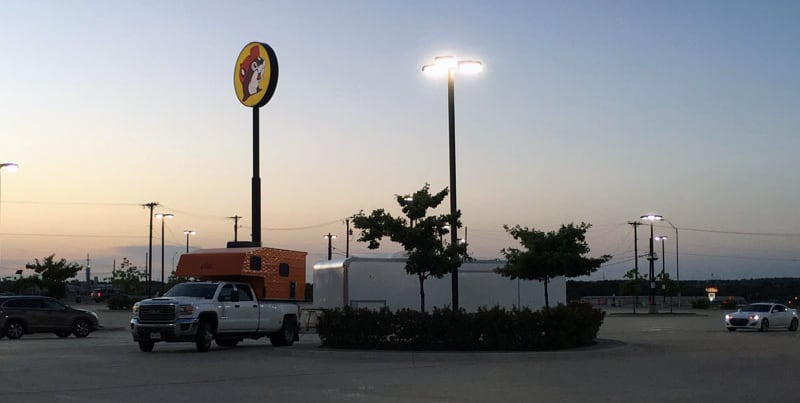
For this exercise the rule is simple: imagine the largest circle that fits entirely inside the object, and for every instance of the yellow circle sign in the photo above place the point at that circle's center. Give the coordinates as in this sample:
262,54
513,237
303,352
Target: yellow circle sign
255,75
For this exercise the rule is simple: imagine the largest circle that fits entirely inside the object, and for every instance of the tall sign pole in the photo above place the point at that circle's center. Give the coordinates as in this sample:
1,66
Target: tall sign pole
254,80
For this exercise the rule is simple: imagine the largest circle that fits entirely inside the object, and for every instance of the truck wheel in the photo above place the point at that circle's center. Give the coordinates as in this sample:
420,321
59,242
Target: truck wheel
285,337
146,346
204,337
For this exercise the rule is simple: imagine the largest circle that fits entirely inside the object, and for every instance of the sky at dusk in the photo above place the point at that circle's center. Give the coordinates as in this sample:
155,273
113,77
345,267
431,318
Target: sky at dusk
586,111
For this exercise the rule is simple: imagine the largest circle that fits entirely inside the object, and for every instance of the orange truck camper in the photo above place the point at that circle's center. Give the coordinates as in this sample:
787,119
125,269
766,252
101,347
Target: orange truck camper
273,273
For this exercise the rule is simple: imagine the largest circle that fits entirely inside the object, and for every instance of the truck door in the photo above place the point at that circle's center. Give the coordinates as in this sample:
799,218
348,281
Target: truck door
246,310
227,316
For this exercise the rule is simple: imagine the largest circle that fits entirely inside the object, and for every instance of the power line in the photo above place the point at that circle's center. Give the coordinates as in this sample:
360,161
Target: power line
79,203
779,234
71,235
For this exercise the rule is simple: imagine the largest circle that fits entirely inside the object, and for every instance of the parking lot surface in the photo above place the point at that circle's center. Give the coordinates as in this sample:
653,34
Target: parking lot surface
647,358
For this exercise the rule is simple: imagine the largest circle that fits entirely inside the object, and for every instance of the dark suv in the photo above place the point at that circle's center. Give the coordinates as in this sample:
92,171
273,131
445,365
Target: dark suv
34,314
102,294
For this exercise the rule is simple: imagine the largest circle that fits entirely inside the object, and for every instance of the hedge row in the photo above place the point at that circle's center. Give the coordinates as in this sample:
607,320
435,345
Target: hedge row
565,326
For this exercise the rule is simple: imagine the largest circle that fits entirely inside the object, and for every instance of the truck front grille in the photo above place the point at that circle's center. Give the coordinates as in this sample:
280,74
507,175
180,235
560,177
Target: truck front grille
157,313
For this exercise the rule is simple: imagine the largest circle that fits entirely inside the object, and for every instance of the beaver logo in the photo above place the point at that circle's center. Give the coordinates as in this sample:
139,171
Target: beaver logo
255,74
251,71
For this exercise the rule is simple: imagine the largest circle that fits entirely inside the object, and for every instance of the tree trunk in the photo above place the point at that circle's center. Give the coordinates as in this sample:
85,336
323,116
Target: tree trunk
546,296
421,293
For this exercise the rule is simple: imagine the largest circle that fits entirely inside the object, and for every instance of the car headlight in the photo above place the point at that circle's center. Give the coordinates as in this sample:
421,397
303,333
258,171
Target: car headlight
186,310
135,308
753,317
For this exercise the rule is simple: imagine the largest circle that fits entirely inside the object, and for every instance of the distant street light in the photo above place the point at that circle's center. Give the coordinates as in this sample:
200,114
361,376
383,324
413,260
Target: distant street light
677,266
652,258
330,246
663,238
188,232
11,167
451,65
163,217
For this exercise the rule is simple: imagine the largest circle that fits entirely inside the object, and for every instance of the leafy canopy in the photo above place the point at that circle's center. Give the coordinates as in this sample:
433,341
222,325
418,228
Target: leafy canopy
52,275
422,236
547,255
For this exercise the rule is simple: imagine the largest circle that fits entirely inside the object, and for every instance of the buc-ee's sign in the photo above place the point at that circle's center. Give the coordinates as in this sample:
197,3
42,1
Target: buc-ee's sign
256,74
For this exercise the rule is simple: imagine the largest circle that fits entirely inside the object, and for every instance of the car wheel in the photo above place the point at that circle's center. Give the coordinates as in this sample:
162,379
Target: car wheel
286,336
731,329
15,329
793,325
764,326
146,346
62,334
81,328
204,337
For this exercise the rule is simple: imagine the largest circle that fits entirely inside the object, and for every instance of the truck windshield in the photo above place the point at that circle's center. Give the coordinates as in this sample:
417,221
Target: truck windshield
192,290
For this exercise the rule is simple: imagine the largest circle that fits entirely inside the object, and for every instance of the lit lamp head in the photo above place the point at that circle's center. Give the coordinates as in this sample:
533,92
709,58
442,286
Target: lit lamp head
652,217
189,232
444,64
329,236
660,238
162,216
9,166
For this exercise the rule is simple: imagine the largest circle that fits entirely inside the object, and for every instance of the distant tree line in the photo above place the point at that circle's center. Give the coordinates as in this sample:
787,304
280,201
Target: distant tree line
758,289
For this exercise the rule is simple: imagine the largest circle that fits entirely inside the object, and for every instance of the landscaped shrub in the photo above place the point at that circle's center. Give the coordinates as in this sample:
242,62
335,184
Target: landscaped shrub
564,326
121,301
701,303
728,304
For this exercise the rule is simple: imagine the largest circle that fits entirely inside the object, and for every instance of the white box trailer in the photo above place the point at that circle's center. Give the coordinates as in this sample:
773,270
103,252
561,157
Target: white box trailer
383,282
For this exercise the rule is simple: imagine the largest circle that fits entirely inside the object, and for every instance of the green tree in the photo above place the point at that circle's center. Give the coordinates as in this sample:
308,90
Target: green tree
52,275
128,278
422,236
547,255
631,286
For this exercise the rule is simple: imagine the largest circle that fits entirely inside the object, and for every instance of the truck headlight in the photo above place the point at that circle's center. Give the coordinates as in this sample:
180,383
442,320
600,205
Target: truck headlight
186,310
135,308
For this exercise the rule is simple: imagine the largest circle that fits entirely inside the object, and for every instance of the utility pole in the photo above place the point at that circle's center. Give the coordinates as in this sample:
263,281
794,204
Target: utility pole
235,227
635,224
88,270
151,206
347,244
330,247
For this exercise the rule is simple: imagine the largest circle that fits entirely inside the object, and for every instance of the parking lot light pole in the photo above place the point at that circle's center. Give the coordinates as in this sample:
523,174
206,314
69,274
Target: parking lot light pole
11,167
651,257
451,65
188,232
163,217
677,266
662,238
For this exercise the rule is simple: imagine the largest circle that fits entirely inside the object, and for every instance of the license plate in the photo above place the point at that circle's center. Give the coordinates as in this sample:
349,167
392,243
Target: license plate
155,336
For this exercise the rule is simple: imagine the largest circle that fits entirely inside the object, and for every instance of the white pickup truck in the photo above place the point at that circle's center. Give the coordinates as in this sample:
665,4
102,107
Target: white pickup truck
226,312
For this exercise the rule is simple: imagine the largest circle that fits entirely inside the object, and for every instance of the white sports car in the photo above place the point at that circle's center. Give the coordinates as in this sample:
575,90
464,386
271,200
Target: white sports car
762,316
